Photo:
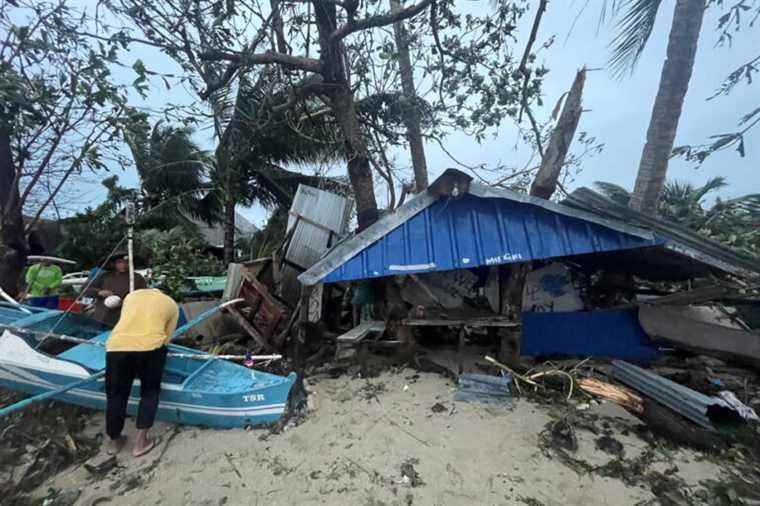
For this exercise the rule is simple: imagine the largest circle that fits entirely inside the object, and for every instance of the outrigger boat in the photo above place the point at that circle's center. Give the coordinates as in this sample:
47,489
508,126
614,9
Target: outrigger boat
197,388
49,320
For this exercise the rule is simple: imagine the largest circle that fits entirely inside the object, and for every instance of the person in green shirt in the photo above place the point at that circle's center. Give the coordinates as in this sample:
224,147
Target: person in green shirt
42,281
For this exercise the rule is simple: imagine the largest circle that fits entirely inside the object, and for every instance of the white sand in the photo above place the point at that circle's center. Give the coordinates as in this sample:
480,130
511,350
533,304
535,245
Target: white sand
350,452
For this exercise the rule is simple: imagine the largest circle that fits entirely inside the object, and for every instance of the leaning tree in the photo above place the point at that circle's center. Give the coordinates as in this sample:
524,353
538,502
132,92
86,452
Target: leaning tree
59,115
324,53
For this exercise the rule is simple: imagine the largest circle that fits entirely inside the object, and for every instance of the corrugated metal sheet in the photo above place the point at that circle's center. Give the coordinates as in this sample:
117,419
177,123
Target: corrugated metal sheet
689,403
677,238
319,218
472,231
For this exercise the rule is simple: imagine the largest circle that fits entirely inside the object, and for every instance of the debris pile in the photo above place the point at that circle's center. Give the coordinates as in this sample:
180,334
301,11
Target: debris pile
38,443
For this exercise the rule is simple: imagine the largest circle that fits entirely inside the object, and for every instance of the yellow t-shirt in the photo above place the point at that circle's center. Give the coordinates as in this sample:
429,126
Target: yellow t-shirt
148,319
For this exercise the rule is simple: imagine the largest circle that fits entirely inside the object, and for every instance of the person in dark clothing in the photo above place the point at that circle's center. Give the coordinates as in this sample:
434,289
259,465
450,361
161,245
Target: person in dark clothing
110,283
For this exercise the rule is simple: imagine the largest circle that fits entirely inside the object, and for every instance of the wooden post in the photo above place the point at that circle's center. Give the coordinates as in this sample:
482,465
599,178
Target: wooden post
460,350
300,337
364,356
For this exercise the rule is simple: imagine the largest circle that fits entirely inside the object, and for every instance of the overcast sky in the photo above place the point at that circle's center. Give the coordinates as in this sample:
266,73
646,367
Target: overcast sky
619,110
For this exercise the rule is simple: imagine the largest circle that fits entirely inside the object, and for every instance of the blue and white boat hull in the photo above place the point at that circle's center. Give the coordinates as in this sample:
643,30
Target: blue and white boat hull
212,393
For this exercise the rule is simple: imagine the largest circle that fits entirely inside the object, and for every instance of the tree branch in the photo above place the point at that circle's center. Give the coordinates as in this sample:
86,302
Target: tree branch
299,62
92,140
380,20
524,61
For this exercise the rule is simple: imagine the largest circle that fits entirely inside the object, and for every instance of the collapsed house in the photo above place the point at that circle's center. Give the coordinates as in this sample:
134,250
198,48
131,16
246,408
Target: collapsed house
451,255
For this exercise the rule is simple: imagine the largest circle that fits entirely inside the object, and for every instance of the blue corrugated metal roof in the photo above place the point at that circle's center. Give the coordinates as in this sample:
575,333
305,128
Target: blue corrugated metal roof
473,231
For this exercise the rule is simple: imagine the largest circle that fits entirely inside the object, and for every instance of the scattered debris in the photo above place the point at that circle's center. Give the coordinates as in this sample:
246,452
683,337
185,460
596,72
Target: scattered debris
61,497
370,391
684,331
483,389
100,464
699,408
409,475
610,445
563,435
617,394
438,408
32,448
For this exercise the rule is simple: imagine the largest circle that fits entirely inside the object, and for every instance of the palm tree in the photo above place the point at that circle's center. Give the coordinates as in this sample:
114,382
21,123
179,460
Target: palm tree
634,29
733,222
173,171
258,134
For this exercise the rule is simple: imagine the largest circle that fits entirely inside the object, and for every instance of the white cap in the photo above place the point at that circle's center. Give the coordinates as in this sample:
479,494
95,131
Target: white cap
112,301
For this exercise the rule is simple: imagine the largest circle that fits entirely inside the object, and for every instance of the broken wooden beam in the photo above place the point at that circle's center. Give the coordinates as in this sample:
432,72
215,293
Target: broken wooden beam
250,328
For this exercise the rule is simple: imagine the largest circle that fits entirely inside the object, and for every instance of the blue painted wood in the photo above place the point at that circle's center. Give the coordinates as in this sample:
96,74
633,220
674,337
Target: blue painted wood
49,394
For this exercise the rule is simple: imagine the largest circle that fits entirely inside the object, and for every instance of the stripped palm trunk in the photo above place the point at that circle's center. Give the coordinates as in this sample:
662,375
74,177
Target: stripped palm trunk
674,82
544,185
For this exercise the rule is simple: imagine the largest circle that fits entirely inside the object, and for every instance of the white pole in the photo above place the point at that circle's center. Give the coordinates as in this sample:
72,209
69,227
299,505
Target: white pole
131,262
13,301
130,215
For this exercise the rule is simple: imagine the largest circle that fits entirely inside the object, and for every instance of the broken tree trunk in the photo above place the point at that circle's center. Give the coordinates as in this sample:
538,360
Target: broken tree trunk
553,159
544,185
411,111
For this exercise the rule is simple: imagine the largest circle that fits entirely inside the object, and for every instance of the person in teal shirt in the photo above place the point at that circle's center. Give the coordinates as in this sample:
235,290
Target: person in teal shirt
42,282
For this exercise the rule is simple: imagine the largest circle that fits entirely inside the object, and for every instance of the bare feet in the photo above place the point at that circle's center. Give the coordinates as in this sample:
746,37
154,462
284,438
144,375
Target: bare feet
116,445
142,444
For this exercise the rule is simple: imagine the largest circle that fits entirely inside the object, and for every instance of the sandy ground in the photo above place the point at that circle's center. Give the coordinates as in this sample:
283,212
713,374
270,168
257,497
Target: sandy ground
351,448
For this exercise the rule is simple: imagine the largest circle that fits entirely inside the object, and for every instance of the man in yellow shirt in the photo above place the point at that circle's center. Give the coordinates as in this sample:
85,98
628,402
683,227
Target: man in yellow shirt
136,348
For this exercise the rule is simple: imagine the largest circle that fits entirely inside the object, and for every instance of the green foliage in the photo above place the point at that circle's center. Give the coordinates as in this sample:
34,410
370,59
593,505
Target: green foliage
264,242
58,101
177,254
732,222
257,135
92,234
173,171
634,27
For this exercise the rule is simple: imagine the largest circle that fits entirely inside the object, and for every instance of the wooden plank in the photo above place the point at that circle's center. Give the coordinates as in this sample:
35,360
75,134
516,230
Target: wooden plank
704,337
264,292
695,296
469,322
249,328
361,331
